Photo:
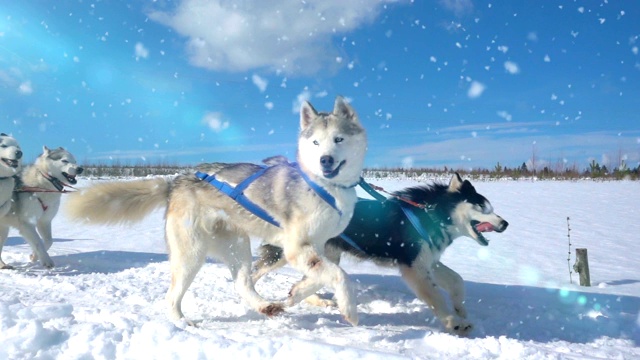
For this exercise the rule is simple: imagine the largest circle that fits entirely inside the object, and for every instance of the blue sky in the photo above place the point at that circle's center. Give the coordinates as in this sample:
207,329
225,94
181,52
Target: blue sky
457,83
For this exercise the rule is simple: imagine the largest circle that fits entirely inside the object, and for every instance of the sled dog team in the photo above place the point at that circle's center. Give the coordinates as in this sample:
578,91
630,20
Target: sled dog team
306,213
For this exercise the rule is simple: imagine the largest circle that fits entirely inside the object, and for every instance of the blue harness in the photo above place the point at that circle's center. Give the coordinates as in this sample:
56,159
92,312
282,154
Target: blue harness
237,194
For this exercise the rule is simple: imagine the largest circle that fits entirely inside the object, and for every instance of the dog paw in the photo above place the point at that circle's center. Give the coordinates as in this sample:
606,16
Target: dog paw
458,326
48,263
272,309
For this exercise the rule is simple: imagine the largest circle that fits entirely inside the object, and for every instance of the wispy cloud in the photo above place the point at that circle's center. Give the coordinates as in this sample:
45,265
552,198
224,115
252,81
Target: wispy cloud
458,7
485,151
215,122
281,36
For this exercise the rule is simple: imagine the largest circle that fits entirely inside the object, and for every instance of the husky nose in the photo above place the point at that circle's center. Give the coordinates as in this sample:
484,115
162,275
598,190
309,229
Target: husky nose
18,154
79,170
503,226
326,161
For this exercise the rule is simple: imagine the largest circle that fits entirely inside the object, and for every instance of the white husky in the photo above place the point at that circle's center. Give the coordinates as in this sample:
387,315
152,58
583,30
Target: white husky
36,201
299,207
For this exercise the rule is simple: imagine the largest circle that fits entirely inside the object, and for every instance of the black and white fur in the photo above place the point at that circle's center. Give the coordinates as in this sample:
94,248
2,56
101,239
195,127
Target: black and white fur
385,235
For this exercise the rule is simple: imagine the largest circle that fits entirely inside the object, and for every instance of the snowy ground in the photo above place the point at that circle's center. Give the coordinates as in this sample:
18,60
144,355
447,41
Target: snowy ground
105,298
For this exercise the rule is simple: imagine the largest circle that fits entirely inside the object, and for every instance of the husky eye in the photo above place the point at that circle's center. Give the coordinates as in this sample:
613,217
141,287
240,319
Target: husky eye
487,209
315,142
65,161
338,140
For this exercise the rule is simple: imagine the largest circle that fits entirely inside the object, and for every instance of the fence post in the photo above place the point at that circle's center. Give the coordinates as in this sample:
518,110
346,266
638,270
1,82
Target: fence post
582,267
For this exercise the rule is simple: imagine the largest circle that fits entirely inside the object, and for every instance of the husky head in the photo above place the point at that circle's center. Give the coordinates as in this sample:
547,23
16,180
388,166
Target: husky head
472,213
10,156
60,164
332,146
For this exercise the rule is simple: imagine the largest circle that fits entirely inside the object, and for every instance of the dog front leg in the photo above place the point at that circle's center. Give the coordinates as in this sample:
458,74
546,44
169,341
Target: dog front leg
4,233
423,285
453,284
44,229
31,236
320,272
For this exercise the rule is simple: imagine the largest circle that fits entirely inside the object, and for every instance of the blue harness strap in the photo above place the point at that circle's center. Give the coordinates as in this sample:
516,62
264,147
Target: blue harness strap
322,192
238,195
413,219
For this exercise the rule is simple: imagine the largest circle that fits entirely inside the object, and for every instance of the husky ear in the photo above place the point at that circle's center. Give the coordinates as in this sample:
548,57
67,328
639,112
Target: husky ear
3,134
467,184
45,149
307,113
456,183
342,109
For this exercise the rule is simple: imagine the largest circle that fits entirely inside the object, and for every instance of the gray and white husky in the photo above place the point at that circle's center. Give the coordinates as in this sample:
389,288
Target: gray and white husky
36,200
202,220
10,166
381,231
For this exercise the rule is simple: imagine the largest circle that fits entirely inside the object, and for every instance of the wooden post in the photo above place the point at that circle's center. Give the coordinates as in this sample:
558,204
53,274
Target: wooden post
582,267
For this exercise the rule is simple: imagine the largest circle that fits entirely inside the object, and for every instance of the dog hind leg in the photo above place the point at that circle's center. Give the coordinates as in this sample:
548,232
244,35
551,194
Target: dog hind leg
237,256
186,257
270,258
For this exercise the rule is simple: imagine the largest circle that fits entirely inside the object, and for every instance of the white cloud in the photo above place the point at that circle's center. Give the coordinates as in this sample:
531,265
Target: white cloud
215,122
141,51
458,7
476,89
260,82
505,115
511,67
280,35
25,88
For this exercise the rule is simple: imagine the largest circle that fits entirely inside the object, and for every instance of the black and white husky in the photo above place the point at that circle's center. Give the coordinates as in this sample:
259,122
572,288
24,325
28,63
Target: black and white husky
384,231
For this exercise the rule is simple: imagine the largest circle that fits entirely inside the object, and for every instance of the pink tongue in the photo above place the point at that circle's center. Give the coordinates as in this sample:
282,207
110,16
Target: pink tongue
484,227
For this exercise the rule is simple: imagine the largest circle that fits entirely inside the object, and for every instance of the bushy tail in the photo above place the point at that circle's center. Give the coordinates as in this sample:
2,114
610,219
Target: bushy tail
118,201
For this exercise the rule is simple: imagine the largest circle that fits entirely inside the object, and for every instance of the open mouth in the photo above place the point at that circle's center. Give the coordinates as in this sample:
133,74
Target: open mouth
480,227
70,178
11,163
330,174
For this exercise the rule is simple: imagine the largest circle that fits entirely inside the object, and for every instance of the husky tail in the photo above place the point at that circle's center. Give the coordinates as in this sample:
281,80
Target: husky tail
118,202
